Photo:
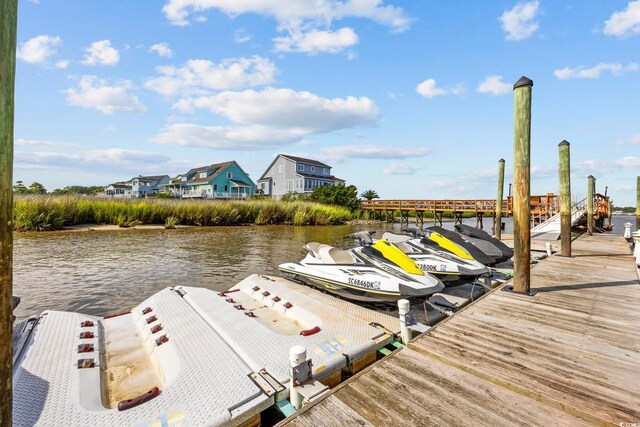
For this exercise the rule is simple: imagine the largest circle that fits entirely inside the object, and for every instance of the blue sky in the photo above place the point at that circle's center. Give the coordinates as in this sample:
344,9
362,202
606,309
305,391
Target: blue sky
410,98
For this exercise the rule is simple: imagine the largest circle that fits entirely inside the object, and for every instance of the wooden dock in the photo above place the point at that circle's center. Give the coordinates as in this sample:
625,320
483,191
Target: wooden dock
542,208
570,355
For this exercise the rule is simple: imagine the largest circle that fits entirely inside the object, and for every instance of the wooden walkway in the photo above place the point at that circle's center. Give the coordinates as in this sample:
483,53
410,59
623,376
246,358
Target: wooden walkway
568,356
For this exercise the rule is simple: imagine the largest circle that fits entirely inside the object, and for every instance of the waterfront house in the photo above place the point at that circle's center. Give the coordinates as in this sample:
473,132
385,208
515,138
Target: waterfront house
225,180
290,174
139,186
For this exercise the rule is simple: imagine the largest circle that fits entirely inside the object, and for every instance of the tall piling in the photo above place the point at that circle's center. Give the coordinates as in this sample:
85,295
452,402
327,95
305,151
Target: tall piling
591,184
8,26
521,185
498,225
564,172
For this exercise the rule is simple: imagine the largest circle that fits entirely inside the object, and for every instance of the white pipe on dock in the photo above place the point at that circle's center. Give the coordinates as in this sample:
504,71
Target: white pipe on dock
627,230
547,246
297,355
404,308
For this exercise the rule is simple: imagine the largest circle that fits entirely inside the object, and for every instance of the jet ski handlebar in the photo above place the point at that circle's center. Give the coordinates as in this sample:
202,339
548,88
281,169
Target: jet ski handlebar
362,237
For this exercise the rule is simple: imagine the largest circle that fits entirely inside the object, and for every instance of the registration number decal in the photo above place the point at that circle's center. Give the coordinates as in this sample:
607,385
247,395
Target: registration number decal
364,283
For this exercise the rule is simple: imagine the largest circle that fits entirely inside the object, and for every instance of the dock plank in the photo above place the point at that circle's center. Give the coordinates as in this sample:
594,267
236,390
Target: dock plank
570,355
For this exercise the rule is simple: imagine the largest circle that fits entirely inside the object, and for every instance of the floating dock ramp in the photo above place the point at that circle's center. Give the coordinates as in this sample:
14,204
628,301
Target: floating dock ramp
188,356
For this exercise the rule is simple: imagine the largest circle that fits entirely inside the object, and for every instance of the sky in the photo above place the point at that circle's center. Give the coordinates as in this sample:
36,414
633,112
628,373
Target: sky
412,99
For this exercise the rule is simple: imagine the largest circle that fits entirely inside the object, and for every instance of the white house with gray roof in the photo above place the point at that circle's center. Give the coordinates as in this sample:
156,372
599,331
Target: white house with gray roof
139,186
290,174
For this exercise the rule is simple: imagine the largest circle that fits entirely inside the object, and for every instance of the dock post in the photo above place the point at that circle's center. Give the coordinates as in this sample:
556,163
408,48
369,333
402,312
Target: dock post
610,212
8,26
297,355
591,183
498,223
404,308
564,170
521,186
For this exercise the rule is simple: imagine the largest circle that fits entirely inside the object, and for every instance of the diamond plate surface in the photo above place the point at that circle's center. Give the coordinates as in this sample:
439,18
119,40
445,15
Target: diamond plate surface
212,388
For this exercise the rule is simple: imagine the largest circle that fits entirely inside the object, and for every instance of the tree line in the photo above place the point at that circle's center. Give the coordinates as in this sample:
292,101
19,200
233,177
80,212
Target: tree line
37,188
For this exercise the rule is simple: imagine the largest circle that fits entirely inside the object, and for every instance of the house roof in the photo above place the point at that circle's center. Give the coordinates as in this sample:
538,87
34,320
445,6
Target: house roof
314,175
240,182
295,159
335,178
218,168
306,161
153,178
120,185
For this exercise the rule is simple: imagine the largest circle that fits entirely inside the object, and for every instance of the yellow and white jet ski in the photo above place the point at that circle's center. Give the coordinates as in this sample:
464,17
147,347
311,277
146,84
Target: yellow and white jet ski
374,272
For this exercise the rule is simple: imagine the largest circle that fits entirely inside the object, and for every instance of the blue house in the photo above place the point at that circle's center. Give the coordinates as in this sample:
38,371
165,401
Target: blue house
218,181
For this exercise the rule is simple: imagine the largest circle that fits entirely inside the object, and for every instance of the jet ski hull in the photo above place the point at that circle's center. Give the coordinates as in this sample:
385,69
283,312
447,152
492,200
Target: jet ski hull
477,236
475,252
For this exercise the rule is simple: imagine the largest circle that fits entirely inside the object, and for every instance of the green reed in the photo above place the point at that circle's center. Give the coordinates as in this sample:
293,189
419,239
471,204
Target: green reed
42,213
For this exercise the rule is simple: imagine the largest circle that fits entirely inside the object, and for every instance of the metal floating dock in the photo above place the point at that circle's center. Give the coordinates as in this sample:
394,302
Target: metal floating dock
570,355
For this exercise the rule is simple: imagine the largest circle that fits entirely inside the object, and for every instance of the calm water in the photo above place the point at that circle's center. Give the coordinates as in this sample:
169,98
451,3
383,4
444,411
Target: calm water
109,271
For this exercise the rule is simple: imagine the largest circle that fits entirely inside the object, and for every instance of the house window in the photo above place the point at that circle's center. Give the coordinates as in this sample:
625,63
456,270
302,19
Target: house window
262,185
184,178
313,168
325,171
203,174
229,175
299,183
290,184
215,187
281,168
300,167
226,188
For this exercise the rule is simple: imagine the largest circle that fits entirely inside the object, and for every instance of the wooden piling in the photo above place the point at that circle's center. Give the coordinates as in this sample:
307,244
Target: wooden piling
8,25
591,184
609,211
521,185
498,225
564,171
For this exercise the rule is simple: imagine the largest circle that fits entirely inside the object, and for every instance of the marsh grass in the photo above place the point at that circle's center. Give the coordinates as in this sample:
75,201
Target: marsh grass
42,213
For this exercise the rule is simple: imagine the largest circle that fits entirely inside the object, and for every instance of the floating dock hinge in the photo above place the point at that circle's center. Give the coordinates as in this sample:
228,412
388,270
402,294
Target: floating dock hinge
266,382
286,408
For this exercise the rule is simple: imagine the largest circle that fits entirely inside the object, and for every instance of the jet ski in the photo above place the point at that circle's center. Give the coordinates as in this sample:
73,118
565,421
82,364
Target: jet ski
449,268
454,243
485,242
376,272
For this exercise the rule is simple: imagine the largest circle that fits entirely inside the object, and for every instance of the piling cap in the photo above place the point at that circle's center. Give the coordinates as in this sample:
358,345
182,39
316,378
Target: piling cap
564,142
501,161
591,177
524,81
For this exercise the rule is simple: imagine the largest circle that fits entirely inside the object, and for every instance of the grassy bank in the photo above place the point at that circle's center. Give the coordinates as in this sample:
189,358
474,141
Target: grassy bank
42,213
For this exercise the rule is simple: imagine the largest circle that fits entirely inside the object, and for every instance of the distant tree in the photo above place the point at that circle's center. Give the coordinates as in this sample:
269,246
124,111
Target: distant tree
369,195
78,189
341,195
37,188
19,188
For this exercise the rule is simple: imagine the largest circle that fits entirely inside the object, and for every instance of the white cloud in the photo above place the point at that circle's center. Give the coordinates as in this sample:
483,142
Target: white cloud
241,36
39,49
227,138
293,13
286,108
198,76
161,49
343,152
63,63
101,53
105,160
400,169
494,86
519,22
22,142
633,140
317,41
429,90
624,23
269,118
616,69
93,92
